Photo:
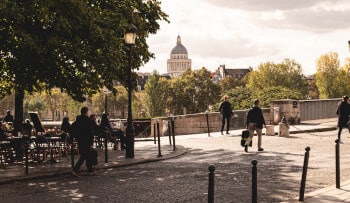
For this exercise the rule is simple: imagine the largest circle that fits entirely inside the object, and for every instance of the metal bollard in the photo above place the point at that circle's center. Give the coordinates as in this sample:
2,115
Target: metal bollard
106,149
26,154
337,165
303,178
211,169
158,133
169,131
254,182
72,154
173,131
207,116
154,133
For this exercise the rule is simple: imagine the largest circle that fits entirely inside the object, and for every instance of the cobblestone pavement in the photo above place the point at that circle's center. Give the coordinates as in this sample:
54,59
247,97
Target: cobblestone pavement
185,179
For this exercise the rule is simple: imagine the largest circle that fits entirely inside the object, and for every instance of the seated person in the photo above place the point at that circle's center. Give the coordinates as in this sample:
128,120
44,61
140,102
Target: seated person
118,134
66,130
27,128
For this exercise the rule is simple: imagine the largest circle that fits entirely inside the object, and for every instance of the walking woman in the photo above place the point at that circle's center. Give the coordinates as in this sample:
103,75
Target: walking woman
343,113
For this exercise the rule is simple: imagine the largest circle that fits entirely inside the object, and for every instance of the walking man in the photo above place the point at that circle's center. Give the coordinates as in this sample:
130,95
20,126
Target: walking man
226,111
83,130
255,121
343,113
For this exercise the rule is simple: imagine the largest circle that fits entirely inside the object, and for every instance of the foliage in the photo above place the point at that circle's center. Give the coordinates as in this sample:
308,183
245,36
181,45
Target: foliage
194,91
276,93
286,74
240,98
156,89
327,72
229,83
76,46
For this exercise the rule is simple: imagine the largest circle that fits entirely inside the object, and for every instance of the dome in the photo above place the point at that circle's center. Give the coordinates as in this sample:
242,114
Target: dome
179,48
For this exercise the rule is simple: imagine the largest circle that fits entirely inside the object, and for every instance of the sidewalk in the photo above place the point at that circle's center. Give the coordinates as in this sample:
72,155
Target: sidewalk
145,152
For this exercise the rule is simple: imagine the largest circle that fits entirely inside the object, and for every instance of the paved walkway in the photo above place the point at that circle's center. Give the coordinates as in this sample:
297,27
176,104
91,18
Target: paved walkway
147,151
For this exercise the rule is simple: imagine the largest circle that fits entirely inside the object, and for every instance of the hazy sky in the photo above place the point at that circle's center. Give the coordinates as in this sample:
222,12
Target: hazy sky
243,33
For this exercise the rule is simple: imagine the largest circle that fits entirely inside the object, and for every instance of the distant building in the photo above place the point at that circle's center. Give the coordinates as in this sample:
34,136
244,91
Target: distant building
179,61
236,73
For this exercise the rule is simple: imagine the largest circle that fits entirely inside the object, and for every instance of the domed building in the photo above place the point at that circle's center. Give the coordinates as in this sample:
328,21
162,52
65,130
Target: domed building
179,61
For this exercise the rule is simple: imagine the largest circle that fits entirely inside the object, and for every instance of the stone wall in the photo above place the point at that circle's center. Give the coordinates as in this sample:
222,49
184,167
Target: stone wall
295,111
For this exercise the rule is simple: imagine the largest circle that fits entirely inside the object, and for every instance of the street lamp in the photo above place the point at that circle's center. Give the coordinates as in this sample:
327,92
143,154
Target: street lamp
130,36
106,92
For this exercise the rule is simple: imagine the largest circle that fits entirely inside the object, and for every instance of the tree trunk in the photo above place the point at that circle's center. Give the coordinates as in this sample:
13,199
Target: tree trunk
18,120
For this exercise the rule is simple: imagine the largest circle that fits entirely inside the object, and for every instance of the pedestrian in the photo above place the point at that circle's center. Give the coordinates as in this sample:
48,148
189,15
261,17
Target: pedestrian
343,113
226,111
83,131
255,122
8,117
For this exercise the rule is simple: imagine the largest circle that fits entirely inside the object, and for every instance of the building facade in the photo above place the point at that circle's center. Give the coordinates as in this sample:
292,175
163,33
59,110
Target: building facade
179,61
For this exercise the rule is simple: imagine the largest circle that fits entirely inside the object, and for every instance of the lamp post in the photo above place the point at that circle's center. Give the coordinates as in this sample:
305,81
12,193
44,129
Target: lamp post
106,92
130,36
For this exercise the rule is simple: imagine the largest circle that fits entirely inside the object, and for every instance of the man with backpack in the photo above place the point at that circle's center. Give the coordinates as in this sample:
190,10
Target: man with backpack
83,132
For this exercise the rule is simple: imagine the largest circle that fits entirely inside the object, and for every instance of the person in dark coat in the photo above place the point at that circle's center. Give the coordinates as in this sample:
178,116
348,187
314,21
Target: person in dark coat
83,131
343,113
105,123
255,121
226,111
8,117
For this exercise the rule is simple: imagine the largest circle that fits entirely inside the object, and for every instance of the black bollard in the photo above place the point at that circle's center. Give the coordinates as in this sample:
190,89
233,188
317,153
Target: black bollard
211,169
26,154
303,178
337,165
207,116
254,182
106,149
154,133
173,131
72,154
169,131
158,133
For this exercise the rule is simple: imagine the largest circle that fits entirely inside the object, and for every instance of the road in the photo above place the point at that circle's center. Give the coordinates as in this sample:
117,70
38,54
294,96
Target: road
185,179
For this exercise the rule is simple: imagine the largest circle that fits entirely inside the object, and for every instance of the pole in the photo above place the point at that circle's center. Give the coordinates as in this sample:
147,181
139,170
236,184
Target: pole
158,133
169,132
129,129
72,153
207,115
303,178
154,133
106,148
337,164
26,154
211,169
254,182
173,131
106,103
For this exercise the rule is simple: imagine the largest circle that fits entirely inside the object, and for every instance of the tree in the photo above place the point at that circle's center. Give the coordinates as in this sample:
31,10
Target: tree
194,91
276,93
156,89
76,46
327,69
286,74
229,83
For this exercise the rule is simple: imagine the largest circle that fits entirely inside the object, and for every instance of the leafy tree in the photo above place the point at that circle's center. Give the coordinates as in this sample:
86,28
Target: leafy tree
276,93
229,83
327,72
312,88
115,103
194,91
156,89
240,98
76,46
286,74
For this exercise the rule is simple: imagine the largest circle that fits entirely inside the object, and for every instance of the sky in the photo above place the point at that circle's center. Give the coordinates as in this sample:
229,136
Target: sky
245,33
